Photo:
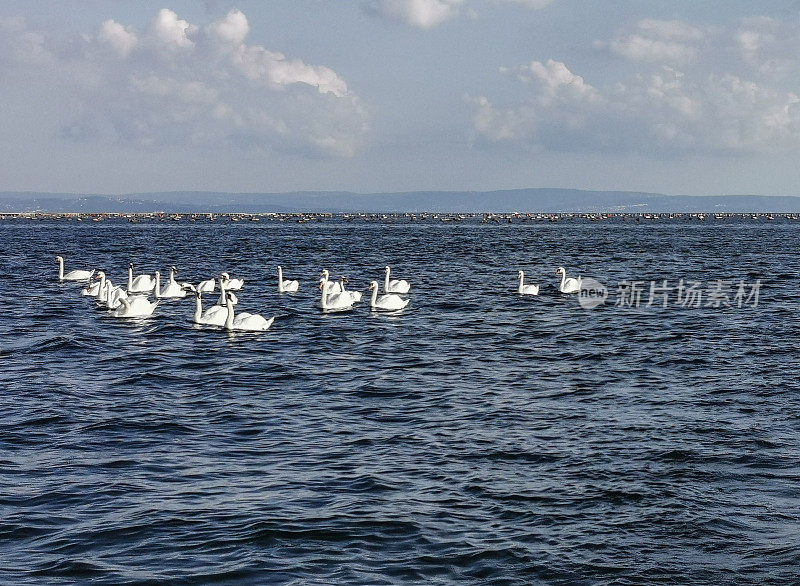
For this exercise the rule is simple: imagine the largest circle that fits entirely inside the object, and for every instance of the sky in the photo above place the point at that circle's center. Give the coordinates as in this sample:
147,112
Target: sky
694,97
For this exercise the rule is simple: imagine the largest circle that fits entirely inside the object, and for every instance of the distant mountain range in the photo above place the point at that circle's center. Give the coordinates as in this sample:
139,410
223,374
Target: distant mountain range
512,200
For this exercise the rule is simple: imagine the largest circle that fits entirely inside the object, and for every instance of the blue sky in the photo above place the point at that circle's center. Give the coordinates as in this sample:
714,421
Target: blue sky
394,95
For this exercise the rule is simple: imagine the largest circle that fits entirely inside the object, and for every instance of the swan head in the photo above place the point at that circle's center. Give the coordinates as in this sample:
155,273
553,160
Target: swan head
59,259
561,270
373,285
520,274
225,276
174,269
325,274
99,275
386,268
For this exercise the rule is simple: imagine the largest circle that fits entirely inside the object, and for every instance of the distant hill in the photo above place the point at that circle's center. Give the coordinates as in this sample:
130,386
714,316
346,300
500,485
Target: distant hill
513,200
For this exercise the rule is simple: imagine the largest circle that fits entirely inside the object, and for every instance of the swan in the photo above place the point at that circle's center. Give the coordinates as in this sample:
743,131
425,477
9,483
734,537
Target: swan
232,284
568,284
76,275
172,290
207,286
355,295
388,302
223,298
246,322
395,286
137,306
286,286
109,295
330,286
94,287
213,316
526,289
334,301
141,284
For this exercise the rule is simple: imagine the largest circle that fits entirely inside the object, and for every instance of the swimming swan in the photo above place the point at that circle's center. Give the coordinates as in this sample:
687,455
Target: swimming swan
137,306
568,284
76,275
355,295
246,322
388,302
526,289
286,286
172,290
330,286
141,284
395,286
232,284
213,316
334,301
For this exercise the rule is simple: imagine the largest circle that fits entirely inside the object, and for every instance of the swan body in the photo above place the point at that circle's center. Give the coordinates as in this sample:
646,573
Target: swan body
395,285
568,284
245,322
172,290
286,286
232,284
141,284
330,286
354,295
524,289
76,275
387,302
213,316
137,306
207,286
334,301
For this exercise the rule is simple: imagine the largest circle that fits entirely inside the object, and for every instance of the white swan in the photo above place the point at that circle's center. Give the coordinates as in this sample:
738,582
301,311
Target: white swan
141,284
109,296
137,306
526,289
286,286
232,284
330,286
207,286
568,284
76,275
223,298
355,295
395,285
334,301
172,290
388,302
94,287
213,316
245,322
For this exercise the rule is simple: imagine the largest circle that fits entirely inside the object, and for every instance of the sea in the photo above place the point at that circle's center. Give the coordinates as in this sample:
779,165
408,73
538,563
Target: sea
646,433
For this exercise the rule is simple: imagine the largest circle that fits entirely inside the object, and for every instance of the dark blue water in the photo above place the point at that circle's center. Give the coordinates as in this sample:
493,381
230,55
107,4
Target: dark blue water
477,436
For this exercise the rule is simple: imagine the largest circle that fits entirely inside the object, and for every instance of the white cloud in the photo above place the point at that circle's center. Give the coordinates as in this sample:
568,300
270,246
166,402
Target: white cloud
178,83
665,112
664,41
423,14
427,14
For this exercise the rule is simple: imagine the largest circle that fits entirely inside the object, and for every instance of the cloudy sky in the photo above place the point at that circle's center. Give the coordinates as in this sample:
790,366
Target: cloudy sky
672,96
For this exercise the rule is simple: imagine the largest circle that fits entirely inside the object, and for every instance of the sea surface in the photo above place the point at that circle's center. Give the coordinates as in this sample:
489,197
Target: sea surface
478,436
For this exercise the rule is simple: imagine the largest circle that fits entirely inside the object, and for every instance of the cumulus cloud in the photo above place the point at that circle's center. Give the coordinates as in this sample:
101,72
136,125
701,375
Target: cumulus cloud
665,112
179,83
667,41
427,14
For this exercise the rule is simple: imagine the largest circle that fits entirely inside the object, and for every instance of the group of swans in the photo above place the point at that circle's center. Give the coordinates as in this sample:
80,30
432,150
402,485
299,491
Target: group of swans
336,298
567,284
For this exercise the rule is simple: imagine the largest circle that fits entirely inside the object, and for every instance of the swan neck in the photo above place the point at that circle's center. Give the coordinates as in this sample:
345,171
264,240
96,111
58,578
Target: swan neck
60,268
229,319
130,277
280,280
157,288
374,299
563,278
198,308
386,281
521,281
